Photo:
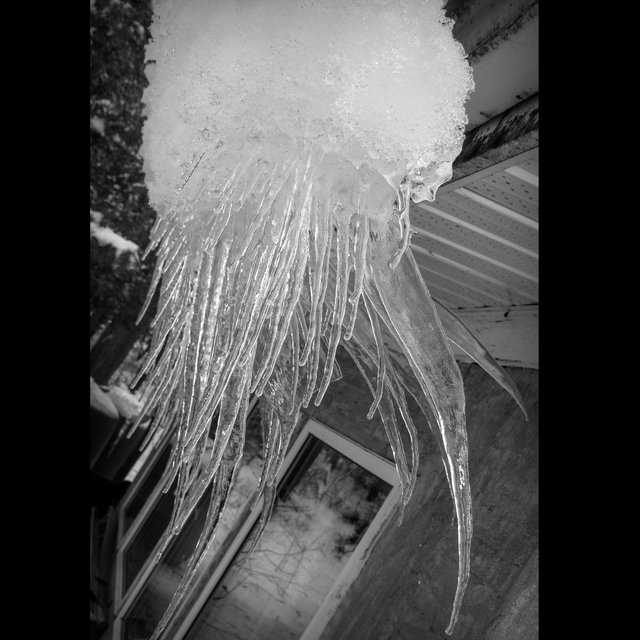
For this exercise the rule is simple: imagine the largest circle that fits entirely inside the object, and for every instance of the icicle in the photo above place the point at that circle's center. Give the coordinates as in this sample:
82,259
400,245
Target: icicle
161,381
340,303
359,356
192,492
397,392
270,353
270,442
382,363
404,202
361,244
413,388
155,281
156,234
317,266
317,306
262,212
269,498
295,350
193,335
280,428
461,336
253,287
219,494
419,332
230,407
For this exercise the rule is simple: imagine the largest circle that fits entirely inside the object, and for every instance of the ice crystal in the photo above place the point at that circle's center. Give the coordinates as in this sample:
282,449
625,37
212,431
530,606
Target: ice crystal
283,145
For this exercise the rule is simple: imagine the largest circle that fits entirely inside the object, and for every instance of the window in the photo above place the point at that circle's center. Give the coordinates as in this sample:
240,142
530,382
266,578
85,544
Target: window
142,515
144,489
333,497
141,527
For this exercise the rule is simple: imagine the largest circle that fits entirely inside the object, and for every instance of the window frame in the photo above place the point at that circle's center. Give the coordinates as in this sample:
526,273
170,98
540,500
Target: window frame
121,597
352,450
123,600
355,452
134,488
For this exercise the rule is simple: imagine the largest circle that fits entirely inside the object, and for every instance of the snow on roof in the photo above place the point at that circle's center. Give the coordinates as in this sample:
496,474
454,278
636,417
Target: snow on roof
107,236
100,401
97,124
127,403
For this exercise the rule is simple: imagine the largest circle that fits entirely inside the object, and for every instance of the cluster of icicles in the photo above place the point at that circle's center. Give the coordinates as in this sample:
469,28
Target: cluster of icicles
257,294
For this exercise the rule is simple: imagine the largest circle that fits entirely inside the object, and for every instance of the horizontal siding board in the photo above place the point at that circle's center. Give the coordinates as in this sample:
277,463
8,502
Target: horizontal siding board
501,293
467,297
512,185
490,188
489,220
530,165
474,241
511,280
477,246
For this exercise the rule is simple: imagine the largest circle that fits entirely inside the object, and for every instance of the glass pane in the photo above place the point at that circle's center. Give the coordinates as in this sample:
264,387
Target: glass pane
145,540
325,505
140,622
149,484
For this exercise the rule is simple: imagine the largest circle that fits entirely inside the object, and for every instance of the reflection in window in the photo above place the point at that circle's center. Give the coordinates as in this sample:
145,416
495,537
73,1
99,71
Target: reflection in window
326,502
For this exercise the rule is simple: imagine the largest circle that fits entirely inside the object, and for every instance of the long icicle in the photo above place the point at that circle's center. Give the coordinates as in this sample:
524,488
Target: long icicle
438,376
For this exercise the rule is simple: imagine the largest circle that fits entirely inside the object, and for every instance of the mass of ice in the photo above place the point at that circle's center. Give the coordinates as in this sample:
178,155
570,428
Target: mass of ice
284,143
377,83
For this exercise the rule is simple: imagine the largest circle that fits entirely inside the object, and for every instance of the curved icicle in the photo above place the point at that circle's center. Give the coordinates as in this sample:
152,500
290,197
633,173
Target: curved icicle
340,303
418,330
366,363
382,363
461,336
412,387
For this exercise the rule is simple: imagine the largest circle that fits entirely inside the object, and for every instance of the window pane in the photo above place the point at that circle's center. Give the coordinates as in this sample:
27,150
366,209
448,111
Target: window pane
325,505
141,620
145,540
149,484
